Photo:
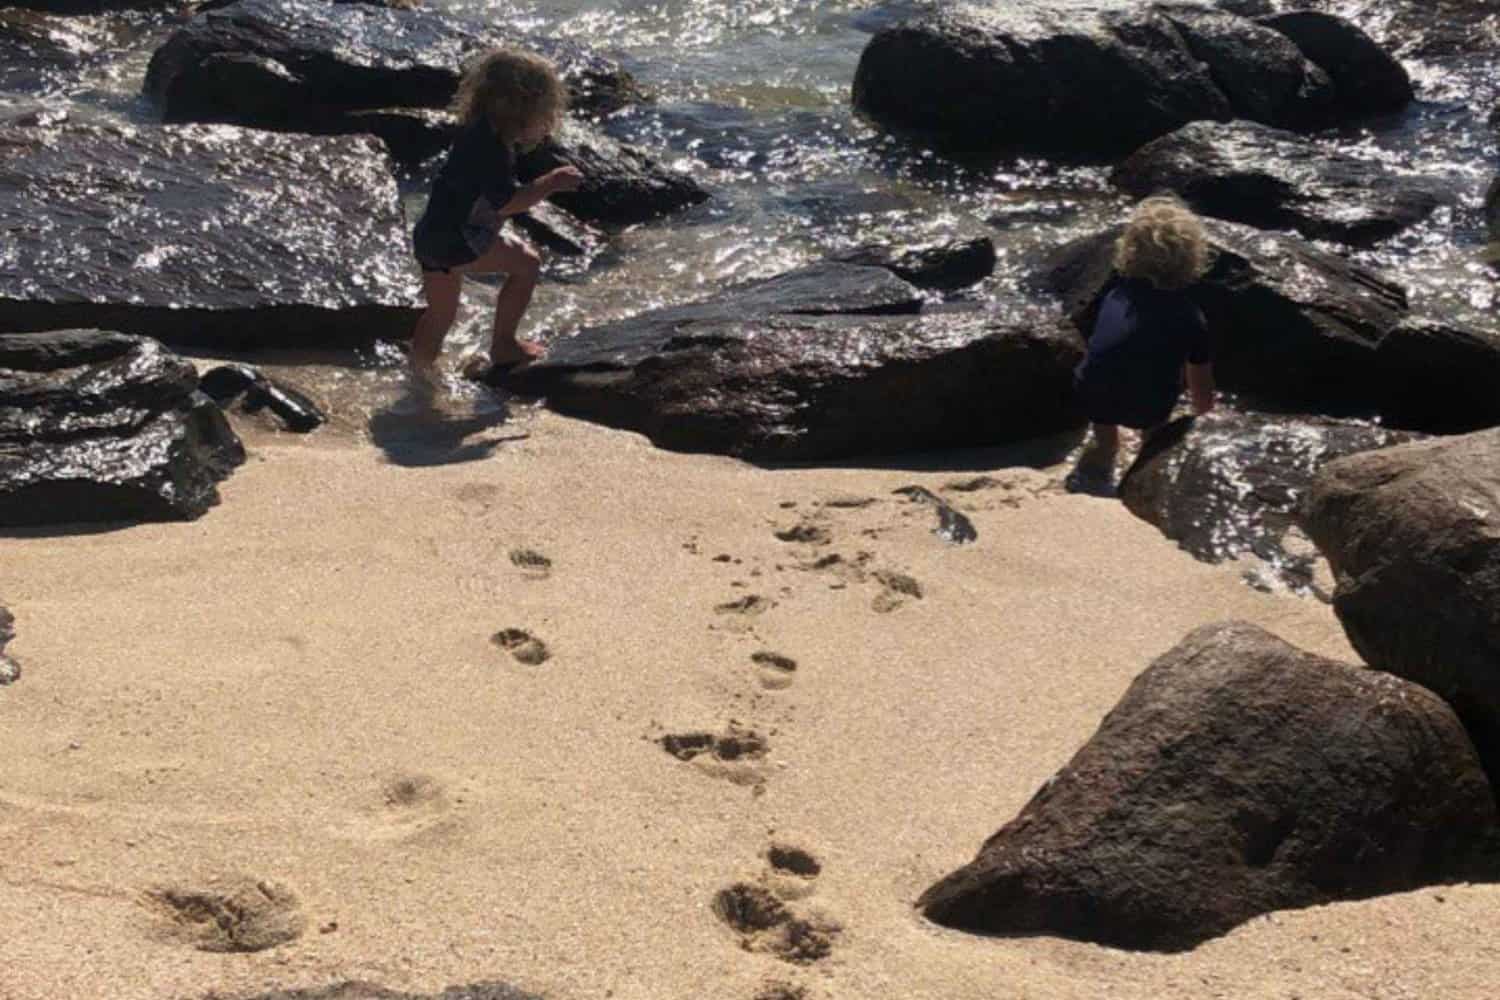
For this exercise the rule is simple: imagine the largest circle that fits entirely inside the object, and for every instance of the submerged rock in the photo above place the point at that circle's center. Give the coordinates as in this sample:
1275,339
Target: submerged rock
255,391
1230,484
99,426
212,235
1005,77
292,64
1273,179
1238,775
946,266
1308,330
621,186
826,362
10,670
1411,533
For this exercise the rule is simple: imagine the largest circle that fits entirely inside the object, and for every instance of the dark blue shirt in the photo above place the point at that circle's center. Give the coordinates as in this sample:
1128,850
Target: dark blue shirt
473,184
1142,336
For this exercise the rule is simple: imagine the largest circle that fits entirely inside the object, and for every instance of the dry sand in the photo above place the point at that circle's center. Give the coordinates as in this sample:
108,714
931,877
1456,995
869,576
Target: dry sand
301,691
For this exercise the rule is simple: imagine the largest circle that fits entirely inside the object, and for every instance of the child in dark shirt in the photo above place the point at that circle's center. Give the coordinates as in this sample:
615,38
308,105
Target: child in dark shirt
1149,337
505,99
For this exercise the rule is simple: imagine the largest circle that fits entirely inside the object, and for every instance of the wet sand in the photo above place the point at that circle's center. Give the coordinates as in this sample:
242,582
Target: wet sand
300,698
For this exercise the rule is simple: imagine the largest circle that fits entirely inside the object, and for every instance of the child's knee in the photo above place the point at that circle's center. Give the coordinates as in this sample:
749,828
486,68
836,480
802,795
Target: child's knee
529,267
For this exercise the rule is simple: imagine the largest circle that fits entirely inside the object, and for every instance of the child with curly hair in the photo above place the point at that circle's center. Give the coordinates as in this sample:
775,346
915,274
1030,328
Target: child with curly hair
506,99
1149,337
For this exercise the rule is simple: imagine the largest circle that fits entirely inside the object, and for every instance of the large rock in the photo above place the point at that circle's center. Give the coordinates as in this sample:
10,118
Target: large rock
1308,330
1274,179
945,266
1413,535
1005,77
1368,79
621,186
827,362
41,53
210,235
101,426
1238,775
1420,28
10,670
304,65
1229,484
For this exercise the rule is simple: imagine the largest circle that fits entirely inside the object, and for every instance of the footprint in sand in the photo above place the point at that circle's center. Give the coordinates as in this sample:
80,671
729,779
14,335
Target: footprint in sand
532,564
358,989
522,645
404,806
780,991
792,873
765,924
776,671
806,533
481,495
228,914
895,590
737,754
750,604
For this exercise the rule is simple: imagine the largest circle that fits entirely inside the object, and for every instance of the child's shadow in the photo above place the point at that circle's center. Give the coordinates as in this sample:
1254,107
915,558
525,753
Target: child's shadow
414,432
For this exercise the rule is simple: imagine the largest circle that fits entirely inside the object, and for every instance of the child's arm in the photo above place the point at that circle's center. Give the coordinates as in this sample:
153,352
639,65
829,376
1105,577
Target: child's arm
553,181
1200,380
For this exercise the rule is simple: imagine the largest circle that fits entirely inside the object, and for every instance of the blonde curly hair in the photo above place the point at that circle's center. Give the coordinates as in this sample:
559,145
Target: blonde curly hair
1163,243
515,90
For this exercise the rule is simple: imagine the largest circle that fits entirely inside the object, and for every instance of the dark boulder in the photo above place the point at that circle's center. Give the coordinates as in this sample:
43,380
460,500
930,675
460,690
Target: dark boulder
1230,484
621,186
1238,775
299,65
828,362
255,391
1274,179
1006,78
559,231
1411,533
946,266
203,235
10,670
1303,329
1492,209
101,426
1368,79
1423,29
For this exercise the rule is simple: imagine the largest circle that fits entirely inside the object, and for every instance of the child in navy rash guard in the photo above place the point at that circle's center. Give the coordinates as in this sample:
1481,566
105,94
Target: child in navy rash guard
1149,338
505,99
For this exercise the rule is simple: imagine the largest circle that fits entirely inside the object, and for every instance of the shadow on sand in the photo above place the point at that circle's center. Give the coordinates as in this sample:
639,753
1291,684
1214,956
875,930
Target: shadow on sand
416,431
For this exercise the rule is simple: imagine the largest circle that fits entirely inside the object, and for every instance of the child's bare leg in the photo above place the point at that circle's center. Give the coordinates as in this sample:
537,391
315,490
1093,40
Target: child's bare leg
522,267
1105,445
441,291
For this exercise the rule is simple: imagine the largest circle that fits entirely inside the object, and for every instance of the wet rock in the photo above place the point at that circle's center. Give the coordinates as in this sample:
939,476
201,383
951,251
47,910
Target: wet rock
74,7
1005,77
101,426
1230,484
301,65
1492,209
1409,28
1307,330
559,231
42,53
1238,775
1274,179
821,363
212,235
1411,534
1369,80
254,391
10,670
941,266
621,186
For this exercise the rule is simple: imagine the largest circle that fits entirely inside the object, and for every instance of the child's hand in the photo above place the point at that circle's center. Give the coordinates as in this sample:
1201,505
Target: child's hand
564,179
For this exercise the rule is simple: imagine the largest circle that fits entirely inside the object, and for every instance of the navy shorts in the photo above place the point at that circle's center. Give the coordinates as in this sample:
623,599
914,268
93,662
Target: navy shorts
1123,405
442,251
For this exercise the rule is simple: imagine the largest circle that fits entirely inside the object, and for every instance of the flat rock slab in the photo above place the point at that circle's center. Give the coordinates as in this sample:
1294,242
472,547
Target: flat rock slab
291,64
98,426
1274,179
1307,330
1004,77
1413,536
209,235
1230,484
827,362
1238,775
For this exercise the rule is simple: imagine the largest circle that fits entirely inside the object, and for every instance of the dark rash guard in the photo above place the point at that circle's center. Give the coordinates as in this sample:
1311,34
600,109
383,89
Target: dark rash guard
1132,375
461,219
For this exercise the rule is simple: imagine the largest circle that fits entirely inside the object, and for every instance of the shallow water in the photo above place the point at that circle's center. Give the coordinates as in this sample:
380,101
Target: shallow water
752,98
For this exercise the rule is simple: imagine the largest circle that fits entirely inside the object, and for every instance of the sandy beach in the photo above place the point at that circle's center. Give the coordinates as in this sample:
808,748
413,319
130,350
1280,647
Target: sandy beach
300,693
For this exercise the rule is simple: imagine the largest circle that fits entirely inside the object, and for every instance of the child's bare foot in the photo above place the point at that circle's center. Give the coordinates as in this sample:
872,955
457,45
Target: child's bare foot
517,352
